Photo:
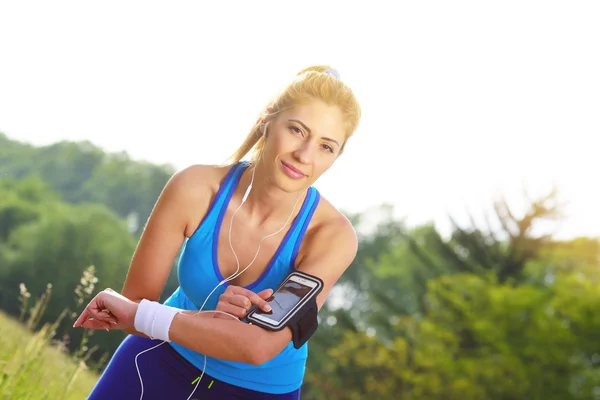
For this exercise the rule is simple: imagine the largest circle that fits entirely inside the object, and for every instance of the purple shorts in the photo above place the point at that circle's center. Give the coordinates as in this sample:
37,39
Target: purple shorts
166,375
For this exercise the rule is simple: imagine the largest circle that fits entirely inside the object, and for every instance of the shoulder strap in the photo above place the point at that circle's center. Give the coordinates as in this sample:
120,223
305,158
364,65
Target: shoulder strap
305,216
227,186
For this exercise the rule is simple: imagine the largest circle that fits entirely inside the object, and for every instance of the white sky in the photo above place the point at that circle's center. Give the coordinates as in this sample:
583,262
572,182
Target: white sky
462,101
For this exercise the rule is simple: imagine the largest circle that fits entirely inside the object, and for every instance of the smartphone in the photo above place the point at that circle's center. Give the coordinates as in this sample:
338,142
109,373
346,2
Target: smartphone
295,291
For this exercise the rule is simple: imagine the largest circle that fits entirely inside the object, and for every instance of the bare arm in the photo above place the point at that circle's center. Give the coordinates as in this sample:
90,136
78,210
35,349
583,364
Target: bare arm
227,339
164,234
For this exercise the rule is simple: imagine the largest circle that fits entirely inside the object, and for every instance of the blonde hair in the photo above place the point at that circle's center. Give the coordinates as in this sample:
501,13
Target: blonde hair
312,83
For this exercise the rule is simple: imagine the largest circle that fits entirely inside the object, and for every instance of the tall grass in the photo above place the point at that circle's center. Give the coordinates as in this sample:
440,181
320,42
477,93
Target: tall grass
33,363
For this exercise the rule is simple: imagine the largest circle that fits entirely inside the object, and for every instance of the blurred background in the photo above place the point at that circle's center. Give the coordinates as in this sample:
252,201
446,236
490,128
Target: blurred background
471,181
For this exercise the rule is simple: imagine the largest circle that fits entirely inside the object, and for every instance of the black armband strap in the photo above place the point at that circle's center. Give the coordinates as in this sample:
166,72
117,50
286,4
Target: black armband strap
305,323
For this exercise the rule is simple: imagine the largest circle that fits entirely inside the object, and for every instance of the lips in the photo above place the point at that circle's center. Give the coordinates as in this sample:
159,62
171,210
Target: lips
292,171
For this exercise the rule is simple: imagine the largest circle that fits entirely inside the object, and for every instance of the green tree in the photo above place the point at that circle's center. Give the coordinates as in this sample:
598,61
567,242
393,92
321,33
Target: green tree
81,172
46,241
481,338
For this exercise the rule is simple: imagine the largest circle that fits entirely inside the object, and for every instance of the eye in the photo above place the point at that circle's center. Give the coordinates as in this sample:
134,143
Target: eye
296,130
328,148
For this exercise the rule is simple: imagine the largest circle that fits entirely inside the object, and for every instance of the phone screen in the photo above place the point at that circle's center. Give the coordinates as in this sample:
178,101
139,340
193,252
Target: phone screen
284,300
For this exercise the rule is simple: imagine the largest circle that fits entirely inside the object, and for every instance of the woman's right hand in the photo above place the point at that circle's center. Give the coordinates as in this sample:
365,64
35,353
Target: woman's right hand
237,301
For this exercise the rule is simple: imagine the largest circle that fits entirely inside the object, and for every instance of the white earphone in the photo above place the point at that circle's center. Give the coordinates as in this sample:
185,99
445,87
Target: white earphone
251,181
233,276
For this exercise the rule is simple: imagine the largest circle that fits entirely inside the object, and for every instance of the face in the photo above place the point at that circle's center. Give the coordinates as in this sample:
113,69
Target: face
302,143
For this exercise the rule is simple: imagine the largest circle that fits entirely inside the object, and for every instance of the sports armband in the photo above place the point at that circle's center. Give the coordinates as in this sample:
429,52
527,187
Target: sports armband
304,323
293,305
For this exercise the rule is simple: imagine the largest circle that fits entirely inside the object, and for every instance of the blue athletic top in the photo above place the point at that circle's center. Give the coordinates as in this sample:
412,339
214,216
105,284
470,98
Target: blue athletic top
199,273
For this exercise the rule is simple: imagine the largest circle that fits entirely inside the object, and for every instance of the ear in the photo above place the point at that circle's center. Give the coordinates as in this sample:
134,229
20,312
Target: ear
264,129
267,118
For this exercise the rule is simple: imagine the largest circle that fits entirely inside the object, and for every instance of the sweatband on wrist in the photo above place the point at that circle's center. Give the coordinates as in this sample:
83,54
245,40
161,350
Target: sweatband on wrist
154,319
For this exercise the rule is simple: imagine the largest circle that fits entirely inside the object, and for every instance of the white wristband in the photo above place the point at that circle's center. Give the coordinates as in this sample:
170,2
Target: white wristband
154,319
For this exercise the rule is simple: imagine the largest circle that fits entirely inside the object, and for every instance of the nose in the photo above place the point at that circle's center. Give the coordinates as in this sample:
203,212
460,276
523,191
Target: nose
305,153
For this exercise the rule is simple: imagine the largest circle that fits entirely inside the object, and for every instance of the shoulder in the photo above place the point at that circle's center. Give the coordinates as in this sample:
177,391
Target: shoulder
197,178
329,247
192,189
330,224
191,183
330,242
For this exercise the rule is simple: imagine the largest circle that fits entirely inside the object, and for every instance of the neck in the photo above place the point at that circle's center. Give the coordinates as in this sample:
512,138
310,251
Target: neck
266,201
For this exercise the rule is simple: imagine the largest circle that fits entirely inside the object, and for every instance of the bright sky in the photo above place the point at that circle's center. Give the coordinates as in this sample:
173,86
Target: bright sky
463,101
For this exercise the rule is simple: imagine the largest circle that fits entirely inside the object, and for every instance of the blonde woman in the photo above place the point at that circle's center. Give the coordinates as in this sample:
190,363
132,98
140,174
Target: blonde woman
261,217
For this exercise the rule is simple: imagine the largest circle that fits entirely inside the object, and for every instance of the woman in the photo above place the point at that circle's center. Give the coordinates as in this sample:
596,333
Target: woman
299,136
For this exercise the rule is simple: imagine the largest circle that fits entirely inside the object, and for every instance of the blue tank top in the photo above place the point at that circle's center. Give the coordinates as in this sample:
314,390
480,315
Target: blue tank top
199,273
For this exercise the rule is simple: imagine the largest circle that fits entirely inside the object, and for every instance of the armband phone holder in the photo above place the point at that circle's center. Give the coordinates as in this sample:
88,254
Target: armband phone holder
294,305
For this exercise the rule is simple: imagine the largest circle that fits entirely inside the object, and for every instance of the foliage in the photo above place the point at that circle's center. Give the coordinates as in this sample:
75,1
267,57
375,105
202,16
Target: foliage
46,241
81,172
33,362
479,339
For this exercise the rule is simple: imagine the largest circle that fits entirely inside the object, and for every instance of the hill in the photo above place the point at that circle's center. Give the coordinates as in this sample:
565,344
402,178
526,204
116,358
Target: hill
82,172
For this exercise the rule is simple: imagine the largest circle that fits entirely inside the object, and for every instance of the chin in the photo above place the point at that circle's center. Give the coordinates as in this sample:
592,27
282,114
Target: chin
292,186
289,185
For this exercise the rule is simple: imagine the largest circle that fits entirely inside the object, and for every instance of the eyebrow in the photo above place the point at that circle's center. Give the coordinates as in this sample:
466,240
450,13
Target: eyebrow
309,131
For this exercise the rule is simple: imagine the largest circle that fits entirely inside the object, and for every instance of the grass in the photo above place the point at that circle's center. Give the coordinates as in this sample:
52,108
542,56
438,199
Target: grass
33,369
32,364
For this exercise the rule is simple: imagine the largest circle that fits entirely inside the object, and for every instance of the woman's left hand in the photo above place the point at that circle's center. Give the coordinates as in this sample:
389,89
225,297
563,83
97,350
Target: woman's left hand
108,310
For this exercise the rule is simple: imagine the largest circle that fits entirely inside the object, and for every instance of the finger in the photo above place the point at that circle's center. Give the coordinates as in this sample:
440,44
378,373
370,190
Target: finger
95,324
259,301
240,300
240,290
109,317
231,309
98,311
231,289
88,314
265,294
225,300
102,315
82,317
254,298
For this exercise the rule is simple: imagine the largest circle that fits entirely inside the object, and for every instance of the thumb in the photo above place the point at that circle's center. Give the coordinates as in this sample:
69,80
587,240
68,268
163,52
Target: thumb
265,294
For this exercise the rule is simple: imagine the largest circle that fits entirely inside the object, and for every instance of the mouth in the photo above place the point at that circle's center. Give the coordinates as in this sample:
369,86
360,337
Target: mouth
291,171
